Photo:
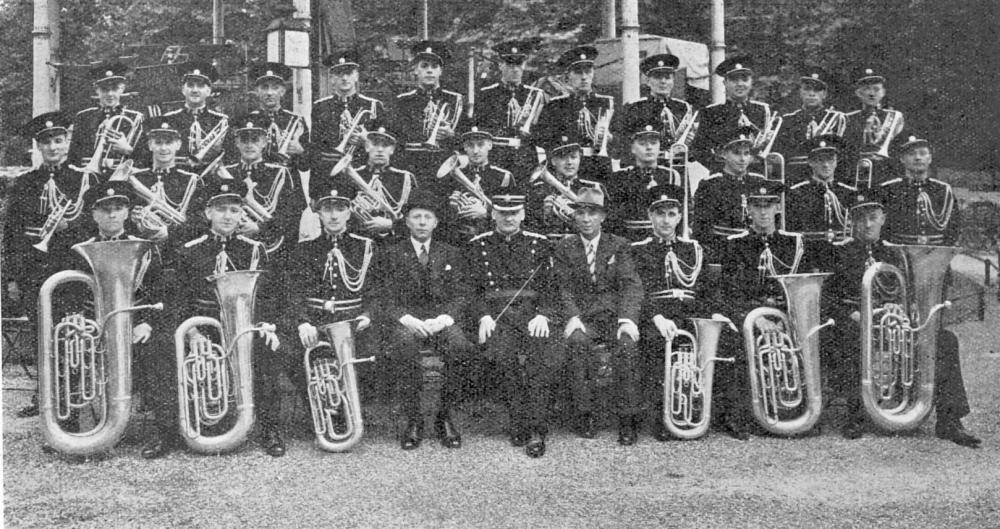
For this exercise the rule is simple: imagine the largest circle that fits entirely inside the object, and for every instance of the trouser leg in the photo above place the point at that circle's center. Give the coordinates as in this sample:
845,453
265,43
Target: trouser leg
404,359
578,347
950,397
456,352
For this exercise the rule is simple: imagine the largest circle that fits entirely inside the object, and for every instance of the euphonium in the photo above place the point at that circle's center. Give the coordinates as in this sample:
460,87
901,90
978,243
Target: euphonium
784,365
689,369
87,364
897,356
333,389
212,379
453,166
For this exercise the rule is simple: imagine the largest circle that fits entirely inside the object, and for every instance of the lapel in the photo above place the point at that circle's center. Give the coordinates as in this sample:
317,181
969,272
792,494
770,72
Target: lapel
605,249
578,256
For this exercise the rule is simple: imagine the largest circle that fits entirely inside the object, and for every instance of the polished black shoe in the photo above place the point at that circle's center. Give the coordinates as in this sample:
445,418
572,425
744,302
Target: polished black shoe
46,449
736,430
447,432
853,430
535,446
28,411
412,435
273,445
585,427
954,431
627,434
519,437
155,448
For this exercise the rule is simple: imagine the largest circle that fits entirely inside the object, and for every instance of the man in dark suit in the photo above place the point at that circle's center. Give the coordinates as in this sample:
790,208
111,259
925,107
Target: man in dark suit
421,294
600,297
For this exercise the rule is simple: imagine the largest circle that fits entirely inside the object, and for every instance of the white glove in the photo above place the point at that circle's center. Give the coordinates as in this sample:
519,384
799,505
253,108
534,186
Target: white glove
141,333
666,327
364,322
434,325
308,335
486,327
856,316
628,327
539,327
573,324
415,325
267,330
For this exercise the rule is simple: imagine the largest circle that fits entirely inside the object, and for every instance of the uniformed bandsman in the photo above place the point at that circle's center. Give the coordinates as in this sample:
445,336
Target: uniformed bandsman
427,117
582,115
720,121
203,130
221,249
871,129
286,130
550,209
513,300
813,119
628,187
919,209
842,355
333,115
600,297
510,109
665,113
121,127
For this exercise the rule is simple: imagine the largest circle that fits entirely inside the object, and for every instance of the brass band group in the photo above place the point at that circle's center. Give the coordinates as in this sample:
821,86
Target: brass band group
742,267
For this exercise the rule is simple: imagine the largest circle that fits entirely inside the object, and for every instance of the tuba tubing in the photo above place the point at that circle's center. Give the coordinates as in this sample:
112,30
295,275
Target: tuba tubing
704,343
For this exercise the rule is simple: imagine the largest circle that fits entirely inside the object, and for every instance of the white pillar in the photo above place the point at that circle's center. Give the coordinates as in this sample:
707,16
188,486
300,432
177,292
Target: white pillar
302,77
608,29
630,50
717,50
45,38
218,24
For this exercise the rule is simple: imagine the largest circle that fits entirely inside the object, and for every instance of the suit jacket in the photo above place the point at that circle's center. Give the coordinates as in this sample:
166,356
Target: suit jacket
423,291
618,291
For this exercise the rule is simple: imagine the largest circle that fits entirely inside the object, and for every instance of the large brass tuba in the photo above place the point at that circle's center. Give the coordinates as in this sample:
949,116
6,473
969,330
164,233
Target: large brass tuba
689,370
784,365
333,389
86,365
897,357
213,380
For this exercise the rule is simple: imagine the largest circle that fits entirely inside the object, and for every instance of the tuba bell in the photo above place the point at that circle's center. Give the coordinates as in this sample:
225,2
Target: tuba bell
689,370
897,357
86,364
784,365
333,389
215,383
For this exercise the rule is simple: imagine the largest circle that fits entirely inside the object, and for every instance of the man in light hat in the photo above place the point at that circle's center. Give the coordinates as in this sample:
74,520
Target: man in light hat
600,297
121,134
718,122
427,117
872,127
514,300
659,109
813,119
200,127
579,115
333,115
919,209
269,85
505,109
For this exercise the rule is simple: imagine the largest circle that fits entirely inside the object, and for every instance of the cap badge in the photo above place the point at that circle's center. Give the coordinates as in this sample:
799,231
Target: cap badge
763,190
822,144
861,198
341,60
270,73
48,124
911,139
381,130
513,50
333,192
564,139
249,125
428,50
583,56
664,197
196,71
649,128
475,129
224,188
815,76
110,192
868,71
738,66
108,73
659,63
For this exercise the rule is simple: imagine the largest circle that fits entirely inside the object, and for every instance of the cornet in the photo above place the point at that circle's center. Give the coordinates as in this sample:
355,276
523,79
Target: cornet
600,131
65,209
440,115
208,143
881,135
833,122
292,131
529,112
353,135
764,140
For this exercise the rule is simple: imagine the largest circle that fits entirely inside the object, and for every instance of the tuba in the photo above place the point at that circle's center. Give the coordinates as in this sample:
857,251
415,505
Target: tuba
333,389
784,365
216,383
86,364
689,369
897,357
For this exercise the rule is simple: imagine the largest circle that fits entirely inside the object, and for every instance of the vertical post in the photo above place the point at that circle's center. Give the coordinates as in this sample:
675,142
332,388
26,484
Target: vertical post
717,50
471,102
218,25
427,29
45,40
609,30
630,50
302,77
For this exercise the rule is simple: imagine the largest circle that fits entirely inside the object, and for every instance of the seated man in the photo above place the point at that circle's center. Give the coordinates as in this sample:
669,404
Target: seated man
421,293
600,294
510,274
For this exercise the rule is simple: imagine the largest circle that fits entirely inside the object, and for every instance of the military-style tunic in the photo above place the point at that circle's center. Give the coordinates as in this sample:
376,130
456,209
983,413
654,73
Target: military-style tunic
864,136
797,129
554,224
669,271
497,108
720,207
277,191
184,119
489,179
920,212
719,122
173,186
664,114
87,122
576,118
627,191
416,113
331,272
276,124
751,260
394,185
332,117
818,210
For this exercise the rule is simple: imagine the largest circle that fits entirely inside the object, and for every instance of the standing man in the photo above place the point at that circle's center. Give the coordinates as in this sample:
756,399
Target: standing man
872,128
719,122
813,119
665,113
428,116
920,209
600,295
285,130
423,290
333,115
629,187
510,109
203,131
583,116
512,295
122,126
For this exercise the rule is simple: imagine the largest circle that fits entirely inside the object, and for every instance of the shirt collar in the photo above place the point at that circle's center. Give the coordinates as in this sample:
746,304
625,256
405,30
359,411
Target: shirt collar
595,241
417,245
218,237
116,237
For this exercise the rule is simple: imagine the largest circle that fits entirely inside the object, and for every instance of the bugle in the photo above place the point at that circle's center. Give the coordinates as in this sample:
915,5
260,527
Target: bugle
333,389
689,370
86,365
453,166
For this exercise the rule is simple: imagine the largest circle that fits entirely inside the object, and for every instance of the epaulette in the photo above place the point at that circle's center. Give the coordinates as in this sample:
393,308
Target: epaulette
490,87
681,101
609,98
84,111
853,112
135,112
217,114
173,112
141,170
232,165
847,186
761,103
893,181
758,175
936,181
274,165
711,177
406,94
501,169
716,105
481,236
557,98
361,237
739,235
800,184
248,240
185,172
688,240
456,94
647,240
535,88
790,233
366,98
664,167
641,99
534,235
195,242
320,100
626,168
792,113
401,171
843,242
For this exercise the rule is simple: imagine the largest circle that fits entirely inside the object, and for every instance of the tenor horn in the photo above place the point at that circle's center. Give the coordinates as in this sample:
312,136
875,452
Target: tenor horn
86,364
689,369
784,365
216,382
897,349
375,197
453,166
333,389
562,206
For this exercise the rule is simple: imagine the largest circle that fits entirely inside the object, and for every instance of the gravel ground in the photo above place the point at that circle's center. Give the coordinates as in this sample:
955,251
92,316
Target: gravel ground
912,481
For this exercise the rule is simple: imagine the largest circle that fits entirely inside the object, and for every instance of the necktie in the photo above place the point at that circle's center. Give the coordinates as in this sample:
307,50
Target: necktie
591,258
423,257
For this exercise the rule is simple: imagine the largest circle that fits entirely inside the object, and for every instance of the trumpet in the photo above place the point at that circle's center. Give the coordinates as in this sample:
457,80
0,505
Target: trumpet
764,140
374,198
66,209
833,122
897,357
440,116
333,389
528,113
881,135
689,369
113,125
784,364
203,145
453,166
353,135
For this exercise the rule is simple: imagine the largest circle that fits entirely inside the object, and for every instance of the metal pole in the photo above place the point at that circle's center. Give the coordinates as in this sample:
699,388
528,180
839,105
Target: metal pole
218,26
630,50
609,19
45,40
427,32
717,50
302,77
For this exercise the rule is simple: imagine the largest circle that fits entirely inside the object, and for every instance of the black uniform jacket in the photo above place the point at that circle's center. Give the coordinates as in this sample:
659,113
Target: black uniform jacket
423,291
798,127
327,272
395,185
813,212
183,119
415,114
497,106
330,122
856,142
717,124
204,256
283,228
171,185
491,180
501,265
85,125
673,290
617,293
745,267
720,204
565,116
852,257
664,114
920,212
276,124
627,195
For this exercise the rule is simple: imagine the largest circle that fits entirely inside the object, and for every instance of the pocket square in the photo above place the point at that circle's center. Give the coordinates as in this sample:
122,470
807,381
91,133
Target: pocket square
447,268
611,261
